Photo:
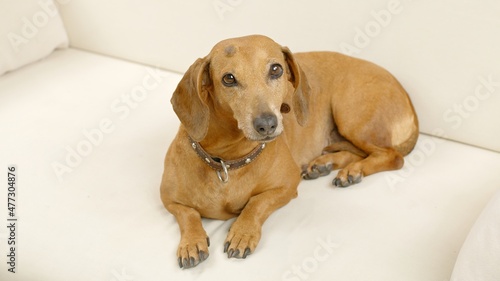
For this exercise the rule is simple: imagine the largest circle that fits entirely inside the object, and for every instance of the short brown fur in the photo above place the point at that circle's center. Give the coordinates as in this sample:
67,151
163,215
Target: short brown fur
348,114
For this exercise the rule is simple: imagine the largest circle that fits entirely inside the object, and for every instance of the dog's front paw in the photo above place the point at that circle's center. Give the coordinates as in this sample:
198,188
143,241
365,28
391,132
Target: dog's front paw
242,240
192,251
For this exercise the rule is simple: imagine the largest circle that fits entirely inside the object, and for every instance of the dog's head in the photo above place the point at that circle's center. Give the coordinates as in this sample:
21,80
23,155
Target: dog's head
244,79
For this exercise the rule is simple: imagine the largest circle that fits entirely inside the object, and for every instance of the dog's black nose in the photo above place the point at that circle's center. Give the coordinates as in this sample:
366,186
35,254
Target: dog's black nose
265,124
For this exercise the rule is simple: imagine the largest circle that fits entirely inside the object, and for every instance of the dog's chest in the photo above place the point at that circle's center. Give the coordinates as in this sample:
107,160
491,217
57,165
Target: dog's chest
223,200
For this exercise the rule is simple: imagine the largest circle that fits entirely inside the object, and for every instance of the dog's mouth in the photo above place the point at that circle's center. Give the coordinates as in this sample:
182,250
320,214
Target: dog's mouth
263,139
268,139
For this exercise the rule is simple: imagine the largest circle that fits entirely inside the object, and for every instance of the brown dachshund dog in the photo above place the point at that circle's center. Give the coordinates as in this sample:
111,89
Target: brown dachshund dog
238,152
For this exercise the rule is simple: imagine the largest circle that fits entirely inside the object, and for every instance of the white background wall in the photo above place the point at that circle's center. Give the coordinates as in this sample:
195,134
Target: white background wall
446,53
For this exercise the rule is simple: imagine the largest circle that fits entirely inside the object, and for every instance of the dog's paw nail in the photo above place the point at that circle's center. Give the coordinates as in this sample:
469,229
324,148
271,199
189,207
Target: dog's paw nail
185,263
192,262
338,183
226,246
230,253
179,260
335,182
203,255
208,241
236,254
246,253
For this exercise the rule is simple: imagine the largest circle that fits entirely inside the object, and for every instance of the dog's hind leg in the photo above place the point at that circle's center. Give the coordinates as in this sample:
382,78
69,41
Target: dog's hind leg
381,159
324,164
353,162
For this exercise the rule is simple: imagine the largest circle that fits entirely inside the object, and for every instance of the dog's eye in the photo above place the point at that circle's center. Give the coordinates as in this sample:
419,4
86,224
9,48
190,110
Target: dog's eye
229,80
276,71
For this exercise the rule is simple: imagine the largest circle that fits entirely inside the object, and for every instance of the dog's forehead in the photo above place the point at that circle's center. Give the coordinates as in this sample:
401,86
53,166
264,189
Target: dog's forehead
250,49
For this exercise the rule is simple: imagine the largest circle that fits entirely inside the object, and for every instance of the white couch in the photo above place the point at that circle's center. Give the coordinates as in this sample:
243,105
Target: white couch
87,128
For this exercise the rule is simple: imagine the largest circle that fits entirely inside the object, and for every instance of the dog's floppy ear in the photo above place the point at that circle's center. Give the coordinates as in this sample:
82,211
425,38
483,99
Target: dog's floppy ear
302,90
190,99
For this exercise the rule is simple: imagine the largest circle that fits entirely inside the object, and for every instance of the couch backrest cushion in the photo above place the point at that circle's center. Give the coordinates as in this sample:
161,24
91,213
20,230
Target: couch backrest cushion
445,53
29,31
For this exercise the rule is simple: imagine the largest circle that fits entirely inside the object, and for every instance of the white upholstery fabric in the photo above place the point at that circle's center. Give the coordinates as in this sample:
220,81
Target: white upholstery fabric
479,258
103,219
29,31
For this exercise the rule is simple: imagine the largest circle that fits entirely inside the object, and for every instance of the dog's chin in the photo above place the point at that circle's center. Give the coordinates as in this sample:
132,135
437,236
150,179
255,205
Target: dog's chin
263,139
267,139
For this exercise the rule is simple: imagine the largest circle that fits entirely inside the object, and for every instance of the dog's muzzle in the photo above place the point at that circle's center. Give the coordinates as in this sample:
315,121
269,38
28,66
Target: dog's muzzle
266,124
